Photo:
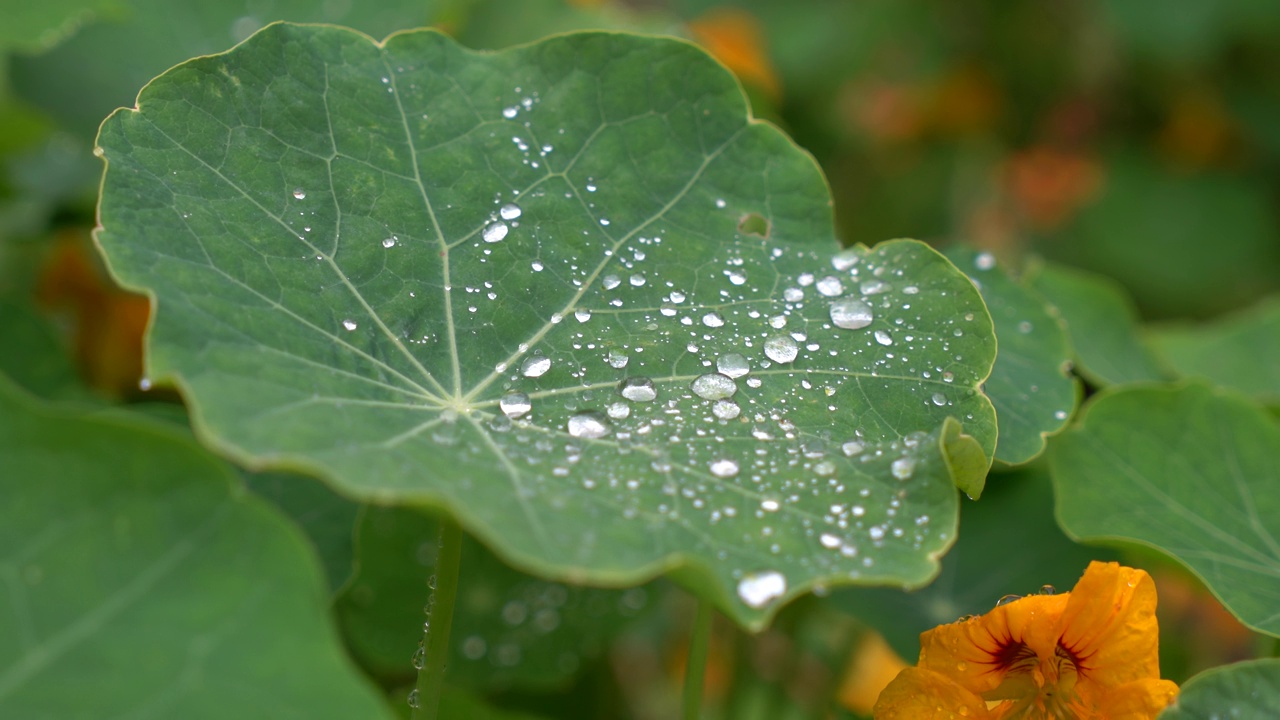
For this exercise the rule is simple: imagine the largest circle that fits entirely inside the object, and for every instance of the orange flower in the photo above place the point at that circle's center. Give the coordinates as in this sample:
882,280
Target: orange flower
1090,654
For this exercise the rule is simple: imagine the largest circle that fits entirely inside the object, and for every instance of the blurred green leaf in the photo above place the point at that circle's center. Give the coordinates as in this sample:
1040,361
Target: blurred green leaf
1101,322
33,26
1241,351
458,703
130,556
328,519
509,629
514,285
1017,508
1245,690
33,355
1200,30
1031,384
1189,471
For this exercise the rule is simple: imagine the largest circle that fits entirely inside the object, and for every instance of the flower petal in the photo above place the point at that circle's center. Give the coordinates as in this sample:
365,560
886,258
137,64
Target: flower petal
1109,625
1138,700
921,694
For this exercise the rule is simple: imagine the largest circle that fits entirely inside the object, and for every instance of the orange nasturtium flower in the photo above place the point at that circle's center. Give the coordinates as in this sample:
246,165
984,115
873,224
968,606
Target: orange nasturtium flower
1089,654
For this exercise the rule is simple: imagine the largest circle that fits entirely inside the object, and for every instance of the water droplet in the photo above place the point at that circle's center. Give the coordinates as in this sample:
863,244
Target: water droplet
510,112
299,194
851,314
611,281
884,338
714,386
845,259
769,505
781,349
637,280
793,294
515,405
713,319
852,447
419,656
720,203
618,359
735,277
759,589
1007,599
829,541
494,232
873,287
1060,414
535,365
638,389
725,409
1048,590
582,315
830,286
1025,327
723,468
984,261
389,242
510,211
939,399
349,325
618,410
903,467
589,425
733,365
413,698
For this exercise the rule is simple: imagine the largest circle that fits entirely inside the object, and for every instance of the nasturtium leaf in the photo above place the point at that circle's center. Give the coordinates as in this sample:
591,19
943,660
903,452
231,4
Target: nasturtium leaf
142,583
1241,352
1189,471
513,285
33,356
1016,509
1031,385
1245,691
1102,323
327,518
509,630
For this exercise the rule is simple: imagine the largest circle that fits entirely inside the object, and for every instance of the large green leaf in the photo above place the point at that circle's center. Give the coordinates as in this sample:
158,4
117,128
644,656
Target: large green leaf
1189,471
327,518
1031,385
1241,691
516,285
1241,352
140,582
980,569
1102,323
508,629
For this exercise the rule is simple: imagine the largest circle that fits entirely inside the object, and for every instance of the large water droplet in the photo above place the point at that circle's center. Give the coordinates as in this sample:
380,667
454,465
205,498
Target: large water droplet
589,425
759,589
535,365
733,365
724,468
510,211
494,232
515,405
851,314
638,389
714,386
781,348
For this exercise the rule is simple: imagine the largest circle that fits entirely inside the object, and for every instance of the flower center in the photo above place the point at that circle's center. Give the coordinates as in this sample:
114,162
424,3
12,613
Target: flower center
1035,687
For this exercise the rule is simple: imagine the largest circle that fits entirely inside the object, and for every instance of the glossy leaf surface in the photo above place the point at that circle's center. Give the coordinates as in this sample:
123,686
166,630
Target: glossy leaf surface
1242,690
569,291
1188,471
1241,352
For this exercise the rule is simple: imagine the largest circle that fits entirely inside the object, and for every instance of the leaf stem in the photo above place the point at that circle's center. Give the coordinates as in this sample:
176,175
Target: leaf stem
695,668
425,696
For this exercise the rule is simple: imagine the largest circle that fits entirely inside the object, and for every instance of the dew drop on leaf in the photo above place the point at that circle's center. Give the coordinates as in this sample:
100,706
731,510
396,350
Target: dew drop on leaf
733,365
723,468
349,325
589,425
299,194
713,320
759,589
618,359
830,286
851,314
726,409
638,389
535,366
781,349
495,232
884,338
713,386
515,405
510,211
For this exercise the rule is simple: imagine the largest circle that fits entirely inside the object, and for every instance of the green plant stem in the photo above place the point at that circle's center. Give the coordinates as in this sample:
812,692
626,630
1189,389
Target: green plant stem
695,669
436,634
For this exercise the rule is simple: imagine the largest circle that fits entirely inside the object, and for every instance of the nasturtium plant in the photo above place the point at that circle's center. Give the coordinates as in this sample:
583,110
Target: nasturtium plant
126,544
1241,352
569,292
1242,690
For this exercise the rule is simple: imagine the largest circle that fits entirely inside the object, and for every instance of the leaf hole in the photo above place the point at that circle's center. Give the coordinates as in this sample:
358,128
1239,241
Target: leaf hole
754,224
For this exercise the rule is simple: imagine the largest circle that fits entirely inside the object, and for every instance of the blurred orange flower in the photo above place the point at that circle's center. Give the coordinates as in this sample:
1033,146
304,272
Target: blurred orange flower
1089,654
736,39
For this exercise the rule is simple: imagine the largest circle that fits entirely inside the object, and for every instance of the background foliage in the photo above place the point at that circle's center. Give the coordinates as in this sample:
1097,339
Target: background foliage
1119,164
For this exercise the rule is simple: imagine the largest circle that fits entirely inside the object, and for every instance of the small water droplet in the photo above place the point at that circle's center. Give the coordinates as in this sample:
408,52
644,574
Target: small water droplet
1007,599
939,399
495,232
759,589
510,211
713,319
1025,327
713,386
637,280
589,425
781,349
510,112
618,359
884,338
299,194
349,325
419,656
618,410
611,281
723,468
1048,590
582,315
984,261
845,259
852,447
515,405
535,365
725,409
851,314
733,365
829,541
793,294
902,468
830,286
638,389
